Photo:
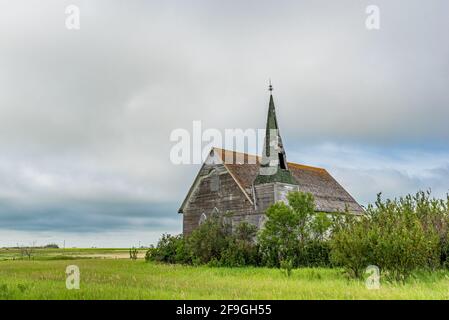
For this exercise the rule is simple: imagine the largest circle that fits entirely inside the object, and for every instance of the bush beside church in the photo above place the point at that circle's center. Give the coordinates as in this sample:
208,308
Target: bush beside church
398,236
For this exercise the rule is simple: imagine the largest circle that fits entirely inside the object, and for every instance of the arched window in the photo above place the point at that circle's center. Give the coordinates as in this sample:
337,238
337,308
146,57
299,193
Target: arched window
203,218
215,212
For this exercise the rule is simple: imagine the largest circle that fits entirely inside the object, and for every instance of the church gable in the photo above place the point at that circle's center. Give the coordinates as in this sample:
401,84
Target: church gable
215,191
246,184
212,179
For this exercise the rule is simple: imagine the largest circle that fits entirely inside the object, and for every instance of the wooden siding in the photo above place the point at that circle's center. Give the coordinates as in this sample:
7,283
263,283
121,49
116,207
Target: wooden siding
228,197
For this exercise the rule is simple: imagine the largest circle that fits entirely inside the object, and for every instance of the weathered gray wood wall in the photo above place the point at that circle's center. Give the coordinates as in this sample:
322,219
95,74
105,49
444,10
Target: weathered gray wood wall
216,189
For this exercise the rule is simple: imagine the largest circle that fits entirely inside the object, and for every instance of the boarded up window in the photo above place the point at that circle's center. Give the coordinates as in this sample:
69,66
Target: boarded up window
214,183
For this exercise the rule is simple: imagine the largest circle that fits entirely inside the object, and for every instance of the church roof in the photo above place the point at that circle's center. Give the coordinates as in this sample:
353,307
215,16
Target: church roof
329,195
245,169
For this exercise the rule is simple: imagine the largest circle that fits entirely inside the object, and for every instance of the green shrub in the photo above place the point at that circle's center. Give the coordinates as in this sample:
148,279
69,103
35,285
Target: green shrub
397,236
170,249
208,241
393,236
315,249
315,253
149,254
434,217
242,249
212,243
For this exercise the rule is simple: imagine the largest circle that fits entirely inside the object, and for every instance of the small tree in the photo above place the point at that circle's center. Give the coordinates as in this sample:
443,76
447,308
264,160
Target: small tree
28,251
287,230
279,239
133,253
303,206
351,245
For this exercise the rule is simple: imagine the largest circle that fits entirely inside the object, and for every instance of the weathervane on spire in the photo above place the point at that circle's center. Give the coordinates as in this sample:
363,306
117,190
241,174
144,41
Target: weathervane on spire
270,87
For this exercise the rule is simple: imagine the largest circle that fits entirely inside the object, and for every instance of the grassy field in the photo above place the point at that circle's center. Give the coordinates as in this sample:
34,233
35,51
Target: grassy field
125,279
68,254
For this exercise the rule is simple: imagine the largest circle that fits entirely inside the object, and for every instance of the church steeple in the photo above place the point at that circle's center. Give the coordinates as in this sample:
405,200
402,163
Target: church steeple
273,166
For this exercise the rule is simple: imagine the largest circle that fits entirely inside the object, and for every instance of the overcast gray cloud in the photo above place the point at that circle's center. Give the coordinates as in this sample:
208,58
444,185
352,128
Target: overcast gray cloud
85,116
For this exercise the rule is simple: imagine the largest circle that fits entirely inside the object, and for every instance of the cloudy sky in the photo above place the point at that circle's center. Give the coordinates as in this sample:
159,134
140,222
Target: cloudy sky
86,115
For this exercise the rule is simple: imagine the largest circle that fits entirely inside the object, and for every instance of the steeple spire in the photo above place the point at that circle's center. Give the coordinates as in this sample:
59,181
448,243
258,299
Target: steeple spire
273,166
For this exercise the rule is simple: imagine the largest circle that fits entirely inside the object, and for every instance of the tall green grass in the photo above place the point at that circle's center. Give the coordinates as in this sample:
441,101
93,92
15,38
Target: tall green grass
126,279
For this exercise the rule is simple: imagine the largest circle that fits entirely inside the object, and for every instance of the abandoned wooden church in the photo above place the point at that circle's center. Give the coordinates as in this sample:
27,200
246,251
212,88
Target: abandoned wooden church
246,185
